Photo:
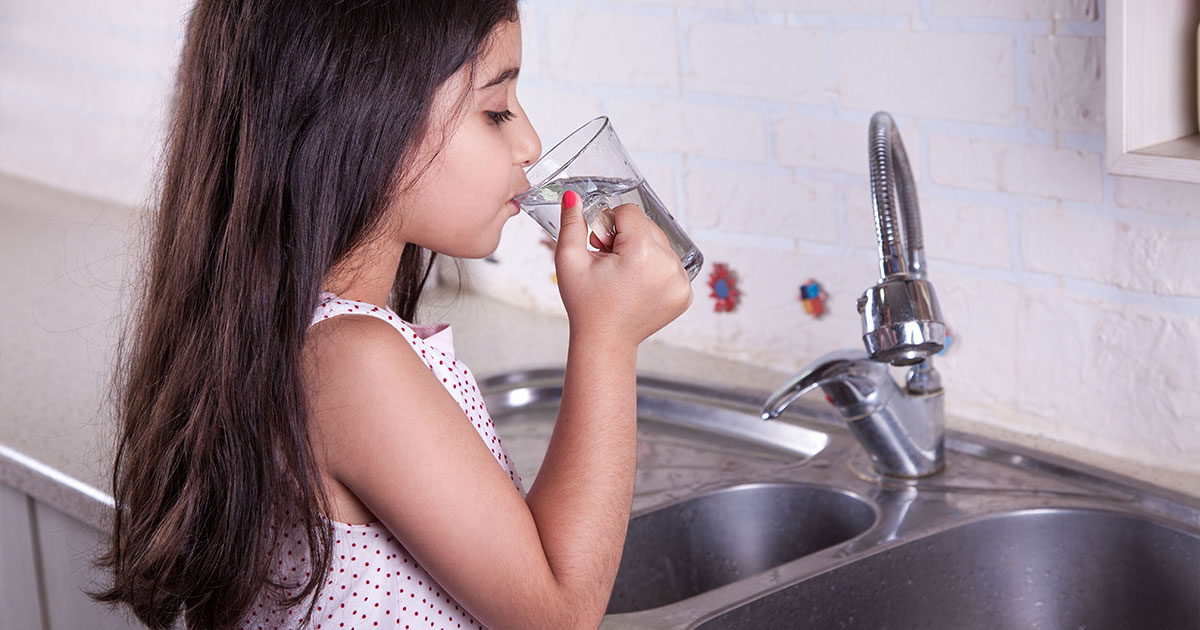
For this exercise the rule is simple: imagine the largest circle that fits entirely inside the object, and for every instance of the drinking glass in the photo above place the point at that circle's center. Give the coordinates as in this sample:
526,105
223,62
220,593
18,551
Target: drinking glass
593,163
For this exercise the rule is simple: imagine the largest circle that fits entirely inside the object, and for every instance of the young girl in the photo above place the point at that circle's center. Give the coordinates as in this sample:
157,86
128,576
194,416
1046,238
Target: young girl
295,453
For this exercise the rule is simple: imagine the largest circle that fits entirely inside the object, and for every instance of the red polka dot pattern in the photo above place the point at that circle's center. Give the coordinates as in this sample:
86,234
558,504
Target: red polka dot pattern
373,581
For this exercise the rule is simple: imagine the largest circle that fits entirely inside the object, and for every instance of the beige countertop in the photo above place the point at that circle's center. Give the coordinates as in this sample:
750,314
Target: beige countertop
63,261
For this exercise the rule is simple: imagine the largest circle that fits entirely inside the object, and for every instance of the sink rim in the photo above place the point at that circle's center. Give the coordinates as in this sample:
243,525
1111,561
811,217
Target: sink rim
1109,511
735,485
943,527
819,417
1087,488
856,502
695,611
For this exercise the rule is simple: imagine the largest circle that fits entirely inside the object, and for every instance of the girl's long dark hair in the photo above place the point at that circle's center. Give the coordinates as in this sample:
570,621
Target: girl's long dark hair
293,126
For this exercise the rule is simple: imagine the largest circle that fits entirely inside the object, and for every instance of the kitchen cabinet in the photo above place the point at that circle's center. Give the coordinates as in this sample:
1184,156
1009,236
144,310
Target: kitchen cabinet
19,606
45,564
1152,83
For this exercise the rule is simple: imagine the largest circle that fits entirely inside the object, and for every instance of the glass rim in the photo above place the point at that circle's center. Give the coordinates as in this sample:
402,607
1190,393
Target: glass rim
605,124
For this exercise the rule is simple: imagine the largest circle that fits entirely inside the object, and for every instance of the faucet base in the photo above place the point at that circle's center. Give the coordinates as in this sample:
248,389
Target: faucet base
864,467
905,438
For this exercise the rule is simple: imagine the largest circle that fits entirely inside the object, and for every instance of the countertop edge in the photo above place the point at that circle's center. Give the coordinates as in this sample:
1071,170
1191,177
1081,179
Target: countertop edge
56,489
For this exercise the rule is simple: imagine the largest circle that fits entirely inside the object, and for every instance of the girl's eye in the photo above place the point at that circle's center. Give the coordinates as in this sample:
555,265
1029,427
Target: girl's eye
499,118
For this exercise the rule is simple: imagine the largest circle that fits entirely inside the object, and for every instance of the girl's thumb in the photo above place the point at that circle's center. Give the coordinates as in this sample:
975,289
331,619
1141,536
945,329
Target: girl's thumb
572,231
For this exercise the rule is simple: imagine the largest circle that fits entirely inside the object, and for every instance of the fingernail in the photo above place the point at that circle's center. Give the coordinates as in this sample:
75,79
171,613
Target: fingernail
570,199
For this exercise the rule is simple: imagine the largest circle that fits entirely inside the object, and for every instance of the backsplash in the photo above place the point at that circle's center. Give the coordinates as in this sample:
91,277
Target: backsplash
1073,296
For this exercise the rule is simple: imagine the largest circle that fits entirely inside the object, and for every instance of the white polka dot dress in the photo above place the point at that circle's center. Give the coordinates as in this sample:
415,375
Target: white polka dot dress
373,582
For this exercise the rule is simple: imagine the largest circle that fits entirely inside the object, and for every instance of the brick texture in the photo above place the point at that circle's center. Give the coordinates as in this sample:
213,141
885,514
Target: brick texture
1073,294
1019,9
967,162
1066,76
763,61
956,76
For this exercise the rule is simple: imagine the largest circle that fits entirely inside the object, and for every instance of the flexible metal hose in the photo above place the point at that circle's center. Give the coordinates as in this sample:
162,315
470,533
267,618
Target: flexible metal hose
901,243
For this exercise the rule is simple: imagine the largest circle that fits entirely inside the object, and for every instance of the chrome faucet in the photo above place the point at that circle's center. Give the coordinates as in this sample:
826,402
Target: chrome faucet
901,428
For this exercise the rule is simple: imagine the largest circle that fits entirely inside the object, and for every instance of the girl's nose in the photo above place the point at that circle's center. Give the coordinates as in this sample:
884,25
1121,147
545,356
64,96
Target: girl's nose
528,147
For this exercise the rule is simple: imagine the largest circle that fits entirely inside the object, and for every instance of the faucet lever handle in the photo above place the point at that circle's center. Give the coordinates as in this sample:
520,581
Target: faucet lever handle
858,379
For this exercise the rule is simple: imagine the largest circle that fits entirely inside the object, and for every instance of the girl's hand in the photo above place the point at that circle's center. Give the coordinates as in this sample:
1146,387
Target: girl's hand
622,295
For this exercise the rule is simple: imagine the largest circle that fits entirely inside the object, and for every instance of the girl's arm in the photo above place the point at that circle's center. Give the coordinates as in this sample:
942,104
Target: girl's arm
397,440
582,496
584,490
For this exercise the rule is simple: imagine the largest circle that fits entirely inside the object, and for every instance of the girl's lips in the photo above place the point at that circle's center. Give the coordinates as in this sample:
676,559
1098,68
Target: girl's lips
515,208
524,190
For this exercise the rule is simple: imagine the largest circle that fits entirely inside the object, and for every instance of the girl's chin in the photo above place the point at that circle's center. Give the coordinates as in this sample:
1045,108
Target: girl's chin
485,251
478,248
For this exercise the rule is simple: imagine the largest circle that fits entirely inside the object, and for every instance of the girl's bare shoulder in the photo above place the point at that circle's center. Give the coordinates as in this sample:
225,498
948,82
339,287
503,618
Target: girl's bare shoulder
349,359
345,365
359,373
331,337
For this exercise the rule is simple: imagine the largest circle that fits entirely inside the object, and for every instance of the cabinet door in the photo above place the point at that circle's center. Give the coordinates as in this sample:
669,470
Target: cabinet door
19,607
68,548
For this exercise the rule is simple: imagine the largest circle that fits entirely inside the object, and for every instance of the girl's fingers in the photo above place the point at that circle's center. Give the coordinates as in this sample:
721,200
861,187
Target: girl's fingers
627,217
572,228
599,243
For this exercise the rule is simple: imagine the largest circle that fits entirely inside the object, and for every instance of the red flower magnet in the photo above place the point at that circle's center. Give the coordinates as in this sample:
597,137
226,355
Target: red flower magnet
723,283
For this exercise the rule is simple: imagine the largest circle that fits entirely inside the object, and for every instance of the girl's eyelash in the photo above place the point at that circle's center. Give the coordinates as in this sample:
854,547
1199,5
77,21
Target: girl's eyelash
500,118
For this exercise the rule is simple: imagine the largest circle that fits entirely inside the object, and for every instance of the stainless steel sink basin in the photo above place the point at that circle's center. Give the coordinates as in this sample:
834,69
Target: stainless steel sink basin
687,445
1038,569
675,552
740,523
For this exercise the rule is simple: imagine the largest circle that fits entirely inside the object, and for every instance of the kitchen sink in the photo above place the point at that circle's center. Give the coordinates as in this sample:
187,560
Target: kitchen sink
676,552
1038,569
741,523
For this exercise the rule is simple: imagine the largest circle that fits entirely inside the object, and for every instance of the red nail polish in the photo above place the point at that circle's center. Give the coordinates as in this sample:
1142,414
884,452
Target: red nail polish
570,199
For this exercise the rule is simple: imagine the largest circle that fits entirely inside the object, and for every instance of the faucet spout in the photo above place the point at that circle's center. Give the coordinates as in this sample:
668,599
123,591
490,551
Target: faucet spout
902,321
901,429
848,378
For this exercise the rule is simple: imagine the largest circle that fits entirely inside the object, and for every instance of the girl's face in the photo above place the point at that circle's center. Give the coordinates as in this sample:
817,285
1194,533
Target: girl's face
460,203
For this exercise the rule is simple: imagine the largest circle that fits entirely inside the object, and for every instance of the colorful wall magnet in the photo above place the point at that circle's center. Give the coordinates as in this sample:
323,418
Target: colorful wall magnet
813,298
723,283
949,342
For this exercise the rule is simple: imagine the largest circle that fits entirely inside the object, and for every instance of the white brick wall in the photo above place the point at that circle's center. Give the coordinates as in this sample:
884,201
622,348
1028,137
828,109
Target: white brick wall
958,76
1018,9
1073,294
757,60
1179,199
970,162
983,315
1048,269
907,7
634,52
1082,345
676,126
966,232
1066,84
1139,257
821,143
780,205
82,91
